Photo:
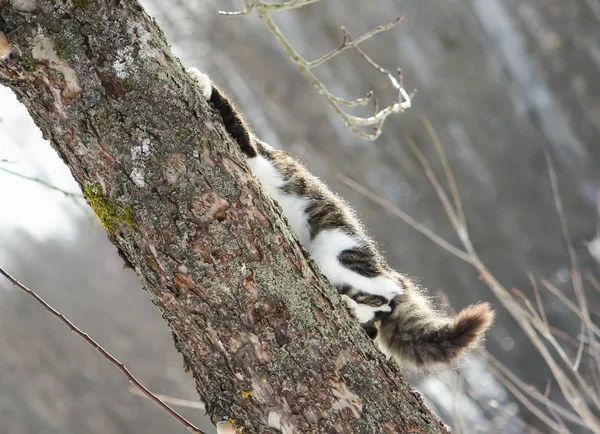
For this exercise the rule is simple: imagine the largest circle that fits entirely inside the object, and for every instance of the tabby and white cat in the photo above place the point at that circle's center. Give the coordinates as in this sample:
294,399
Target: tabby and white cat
386,303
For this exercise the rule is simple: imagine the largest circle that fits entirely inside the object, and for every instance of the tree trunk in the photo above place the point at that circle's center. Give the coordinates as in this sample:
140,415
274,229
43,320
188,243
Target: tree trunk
266,338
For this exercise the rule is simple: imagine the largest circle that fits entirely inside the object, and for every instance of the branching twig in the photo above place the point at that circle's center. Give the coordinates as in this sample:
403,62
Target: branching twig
568,303
580,395
354,123
355,102
520,389
544,330
350,43
120,366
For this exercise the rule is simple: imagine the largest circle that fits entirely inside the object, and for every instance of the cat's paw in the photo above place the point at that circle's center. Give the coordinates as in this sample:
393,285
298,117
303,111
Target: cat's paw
203,81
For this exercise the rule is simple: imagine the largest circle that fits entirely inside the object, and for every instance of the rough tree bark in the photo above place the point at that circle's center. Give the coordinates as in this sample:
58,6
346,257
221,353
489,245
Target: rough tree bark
264,335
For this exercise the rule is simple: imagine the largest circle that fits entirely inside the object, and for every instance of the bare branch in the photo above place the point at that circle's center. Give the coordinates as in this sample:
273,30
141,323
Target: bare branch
171,400
244,11
435,139
356,102
544,330
579,395
538,299
354,123
404,217
291,4
529,326
41,182
568,303
506,376
575,271
350,43
457,412
443,197
570,339
593,281
120,366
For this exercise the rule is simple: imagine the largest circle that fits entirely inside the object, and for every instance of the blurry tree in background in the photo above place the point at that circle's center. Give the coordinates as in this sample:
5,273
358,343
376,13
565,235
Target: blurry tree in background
502,82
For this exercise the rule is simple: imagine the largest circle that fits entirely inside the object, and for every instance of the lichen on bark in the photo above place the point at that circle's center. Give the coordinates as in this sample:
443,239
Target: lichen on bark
266,338
110,214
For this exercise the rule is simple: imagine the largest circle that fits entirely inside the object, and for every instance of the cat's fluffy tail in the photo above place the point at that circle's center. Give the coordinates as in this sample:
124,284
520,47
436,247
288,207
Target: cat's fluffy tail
422,339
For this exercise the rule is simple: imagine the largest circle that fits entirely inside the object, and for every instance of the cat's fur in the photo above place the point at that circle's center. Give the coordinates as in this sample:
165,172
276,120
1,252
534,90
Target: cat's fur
387,304
7,51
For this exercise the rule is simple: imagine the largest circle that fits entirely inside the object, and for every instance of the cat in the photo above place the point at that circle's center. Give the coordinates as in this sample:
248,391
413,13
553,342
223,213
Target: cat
387,304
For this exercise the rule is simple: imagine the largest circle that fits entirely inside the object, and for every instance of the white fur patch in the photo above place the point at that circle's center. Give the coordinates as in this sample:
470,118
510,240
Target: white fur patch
325,249
293,206
363,312
203,81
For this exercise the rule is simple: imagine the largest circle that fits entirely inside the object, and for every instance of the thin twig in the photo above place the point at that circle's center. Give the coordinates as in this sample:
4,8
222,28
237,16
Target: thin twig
273,7
291,4
593,281
575,271
568,338
520,389
435,139
457,413
353,43
120,366
234,13
443,197
532,311
554,413
404,217
568,303
528,404
538,299
171,400
355,102
42,182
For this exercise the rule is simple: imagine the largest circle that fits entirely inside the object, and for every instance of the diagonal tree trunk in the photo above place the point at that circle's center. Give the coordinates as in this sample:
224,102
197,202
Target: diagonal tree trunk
265,336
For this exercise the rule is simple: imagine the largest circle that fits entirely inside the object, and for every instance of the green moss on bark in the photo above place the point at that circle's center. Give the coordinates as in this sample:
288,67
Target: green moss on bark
110,214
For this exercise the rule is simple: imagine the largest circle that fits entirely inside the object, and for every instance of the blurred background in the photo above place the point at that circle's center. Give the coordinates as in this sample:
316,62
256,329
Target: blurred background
502,82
